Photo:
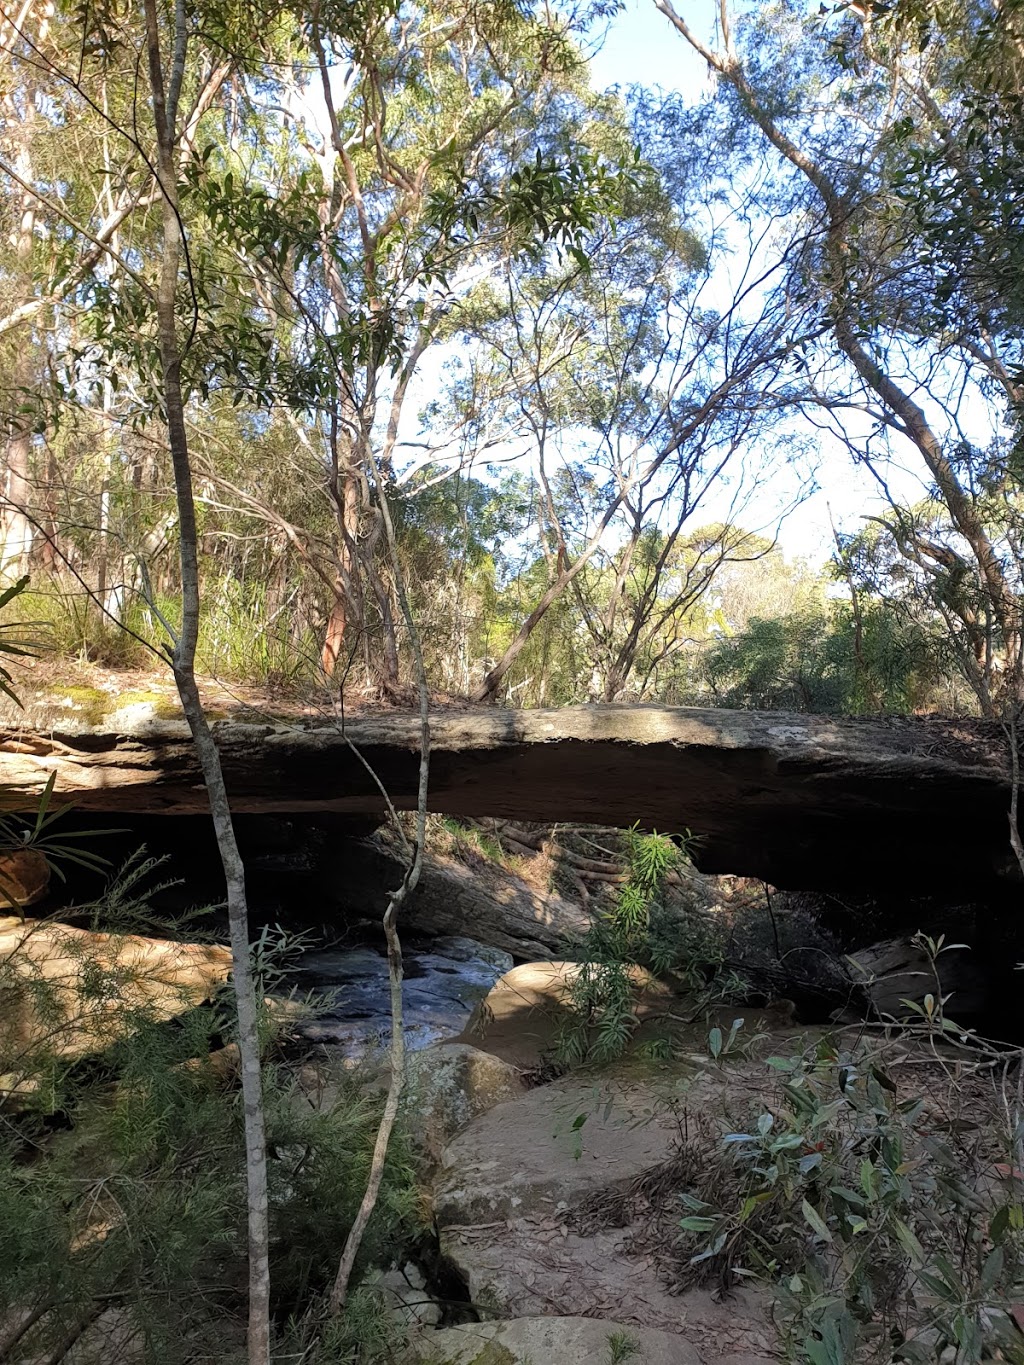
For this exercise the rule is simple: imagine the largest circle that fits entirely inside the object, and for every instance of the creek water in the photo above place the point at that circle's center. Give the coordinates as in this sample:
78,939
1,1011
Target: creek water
291,872
444,980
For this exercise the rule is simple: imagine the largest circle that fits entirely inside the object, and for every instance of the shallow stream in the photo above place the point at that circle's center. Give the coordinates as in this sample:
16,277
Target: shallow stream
444,980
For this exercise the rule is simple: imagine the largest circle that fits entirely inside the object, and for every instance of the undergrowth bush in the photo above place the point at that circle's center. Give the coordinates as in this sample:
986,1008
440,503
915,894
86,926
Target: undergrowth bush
878,1193
239,638
71,625
469,844
710,948
641,932
122,1182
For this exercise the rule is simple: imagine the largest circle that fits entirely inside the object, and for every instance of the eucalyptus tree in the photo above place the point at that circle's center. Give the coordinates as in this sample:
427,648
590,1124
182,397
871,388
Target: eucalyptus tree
853,109
634,384
79,185
416,144
296,300
960,176
111,304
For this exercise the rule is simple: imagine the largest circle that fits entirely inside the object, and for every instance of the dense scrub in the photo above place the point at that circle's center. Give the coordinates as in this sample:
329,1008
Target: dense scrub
122,1185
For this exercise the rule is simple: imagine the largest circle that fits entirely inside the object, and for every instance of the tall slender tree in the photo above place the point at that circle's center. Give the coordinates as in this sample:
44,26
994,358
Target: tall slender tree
908,360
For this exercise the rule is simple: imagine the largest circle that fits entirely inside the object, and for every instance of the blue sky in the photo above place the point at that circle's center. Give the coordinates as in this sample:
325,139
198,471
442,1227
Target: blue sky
641,47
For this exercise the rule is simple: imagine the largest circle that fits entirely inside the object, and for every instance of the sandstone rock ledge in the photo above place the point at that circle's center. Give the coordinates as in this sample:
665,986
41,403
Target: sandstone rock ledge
801,801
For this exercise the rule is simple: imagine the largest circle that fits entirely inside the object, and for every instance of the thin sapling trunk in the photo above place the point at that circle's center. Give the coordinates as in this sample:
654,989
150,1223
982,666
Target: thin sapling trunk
165,100
339,1292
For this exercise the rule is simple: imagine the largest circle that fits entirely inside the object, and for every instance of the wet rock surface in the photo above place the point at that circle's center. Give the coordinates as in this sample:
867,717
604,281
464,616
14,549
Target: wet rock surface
444,979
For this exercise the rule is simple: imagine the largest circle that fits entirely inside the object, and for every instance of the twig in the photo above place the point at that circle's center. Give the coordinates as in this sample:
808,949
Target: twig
339,1292
24,1326
1015,839
74,1335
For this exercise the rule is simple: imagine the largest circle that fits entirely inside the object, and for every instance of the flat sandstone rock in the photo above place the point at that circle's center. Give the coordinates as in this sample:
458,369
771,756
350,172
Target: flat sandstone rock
805,802
551,1341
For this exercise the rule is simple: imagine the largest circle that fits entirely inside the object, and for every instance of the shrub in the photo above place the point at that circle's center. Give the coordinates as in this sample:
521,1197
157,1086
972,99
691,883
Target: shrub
641,930
122,1189
870,1197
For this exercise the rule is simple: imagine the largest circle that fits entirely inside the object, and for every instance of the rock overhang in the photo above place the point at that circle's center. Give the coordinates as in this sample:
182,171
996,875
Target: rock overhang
806,802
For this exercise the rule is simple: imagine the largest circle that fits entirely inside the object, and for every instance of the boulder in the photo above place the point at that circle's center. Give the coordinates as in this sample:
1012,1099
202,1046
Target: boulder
493,905
551,1341
405,1294
899,970
524,1013
72,992
450,1085
463,949
24,878
554,1145
484,903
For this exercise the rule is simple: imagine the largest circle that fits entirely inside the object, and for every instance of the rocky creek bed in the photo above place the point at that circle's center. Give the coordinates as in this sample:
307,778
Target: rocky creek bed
555,1195
445,978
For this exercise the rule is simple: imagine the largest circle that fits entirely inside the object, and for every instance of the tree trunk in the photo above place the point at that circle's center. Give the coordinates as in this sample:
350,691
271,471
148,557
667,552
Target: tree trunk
183,662
16,521
389,636
347,611
334,636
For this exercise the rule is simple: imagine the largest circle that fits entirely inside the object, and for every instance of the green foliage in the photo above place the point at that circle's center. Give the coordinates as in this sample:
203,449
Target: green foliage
240,639
546,266
622,1347
142,1205
639,933
131,1215
70,625
964,194
544,201
366,1331
872,1227
820,661
243,637
12,643
322,1161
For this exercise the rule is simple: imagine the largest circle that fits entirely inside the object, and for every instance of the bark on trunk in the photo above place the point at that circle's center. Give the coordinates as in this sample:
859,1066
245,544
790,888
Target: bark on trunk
17,524
165,101
334,637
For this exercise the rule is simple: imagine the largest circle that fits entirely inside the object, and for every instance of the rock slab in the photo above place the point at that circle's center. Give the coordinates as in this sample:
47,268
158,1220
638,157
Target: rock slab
551,1341
513,1179
70,992
24,878
803,802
